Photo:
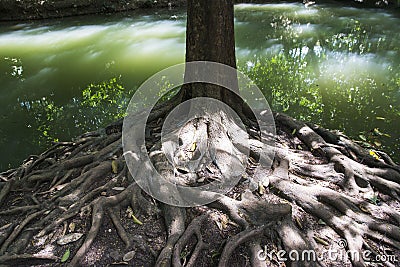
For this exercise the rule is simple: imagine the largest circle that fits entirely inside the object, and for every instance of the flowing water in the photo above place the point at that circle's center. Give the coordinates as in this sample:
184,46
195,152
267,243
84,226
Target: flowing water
333,65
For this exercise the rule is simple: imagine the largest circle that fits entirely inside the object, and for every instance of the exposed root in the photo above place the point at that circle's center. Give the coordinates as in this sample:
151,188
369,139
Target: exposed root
18,230
118,226
175,220
192,229
5,190
97,219
15,260
322,188
237,240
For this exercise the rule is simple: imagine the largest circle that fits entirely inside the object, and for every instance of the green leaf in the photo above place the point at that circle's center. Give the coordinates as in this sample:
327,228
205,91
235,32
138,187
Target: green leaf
136,220
380,118
374,199
362,137
66,255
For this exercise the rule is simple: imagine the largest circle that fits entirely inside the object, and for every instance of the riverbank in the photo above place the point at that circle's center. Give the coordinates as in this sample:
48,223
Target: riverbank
43,9
14,10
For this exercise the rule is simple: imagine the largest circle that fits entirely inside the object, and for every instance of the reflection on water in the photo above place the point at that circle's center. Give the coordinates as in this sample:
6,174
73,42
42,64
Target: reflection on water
335,65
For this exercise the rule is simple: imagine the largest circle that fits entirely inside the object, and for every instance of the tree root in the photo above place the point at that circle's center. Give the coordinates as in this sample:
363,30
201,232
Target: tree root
192,229
175,221
237,240
18,230
15,260
322,188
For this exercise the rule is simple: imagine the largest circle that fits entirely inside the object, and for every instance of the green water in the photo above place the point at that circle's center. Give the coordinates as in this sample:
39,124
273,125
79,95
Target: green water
332,65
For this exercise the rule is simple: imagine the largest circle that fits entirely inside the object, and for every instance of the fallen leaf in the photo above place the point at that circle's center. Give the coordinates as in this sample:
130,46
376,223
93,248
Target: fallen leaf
364,209
321,241
128,256
66,255
136,220
261,189
219,225
114,166
69,238
118,188
374,154
298,221
193,147
299,147
71,227
224,221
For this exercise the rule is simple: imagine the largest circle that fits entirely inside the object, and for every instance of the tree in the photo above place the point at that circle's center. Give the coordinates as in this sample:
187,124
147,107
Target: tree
322,187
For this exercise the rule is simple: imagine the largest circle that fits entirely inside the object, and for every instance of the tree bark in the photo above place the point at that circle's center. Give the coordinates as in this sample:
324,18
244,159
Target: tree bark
209,37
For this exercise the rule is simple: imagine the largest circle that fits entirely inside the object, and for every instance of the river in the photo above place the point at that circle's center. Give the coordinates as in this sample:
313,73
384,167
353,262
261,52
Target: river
337,66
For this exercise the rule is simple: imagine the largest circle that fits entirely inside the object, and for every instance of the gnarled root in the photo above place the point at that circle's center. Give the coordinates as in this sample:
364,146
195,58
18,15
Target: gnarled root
323,192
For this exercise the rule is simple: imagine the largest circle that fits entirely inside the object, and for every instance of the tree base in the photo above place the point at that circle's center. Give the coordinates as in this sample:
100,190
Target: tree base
324,191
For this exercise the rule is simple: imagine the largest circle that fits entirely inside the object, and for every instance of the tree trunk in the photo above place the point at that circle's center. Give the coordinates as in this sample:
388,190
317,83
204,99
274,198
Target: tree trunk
210,37
210,34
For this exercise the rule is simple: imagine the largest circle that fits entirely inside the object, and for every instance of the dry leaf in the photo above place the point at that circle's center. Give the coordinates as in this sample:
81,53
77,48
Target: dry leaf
298,221
364,209
261,189
193,147
69,238
128,256
71,227
321,241
118,188
114,166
